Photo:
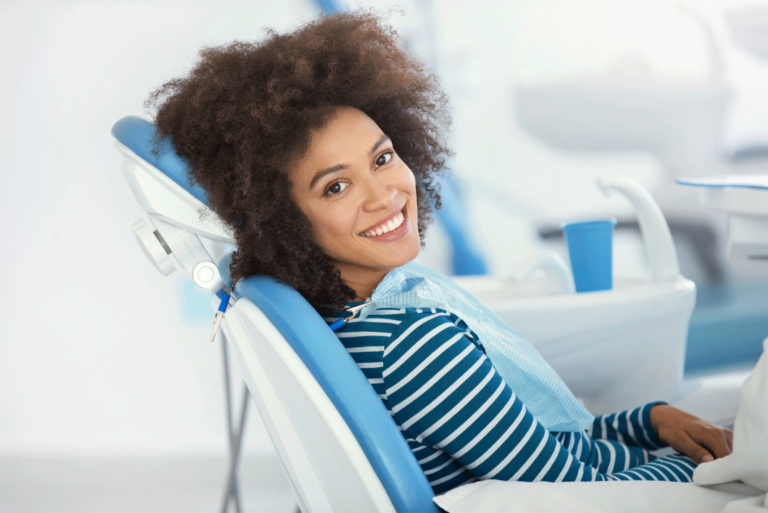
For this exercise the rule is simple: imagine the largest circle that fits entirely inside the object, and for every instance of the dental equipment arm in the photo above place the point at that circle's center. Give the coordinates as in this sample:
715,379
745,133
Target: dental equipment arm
659,247
175,215
662,256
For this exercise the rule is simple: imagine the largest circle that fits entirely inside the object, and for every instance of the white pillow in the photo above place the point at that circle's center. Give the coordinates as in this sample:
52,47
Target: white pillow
749,460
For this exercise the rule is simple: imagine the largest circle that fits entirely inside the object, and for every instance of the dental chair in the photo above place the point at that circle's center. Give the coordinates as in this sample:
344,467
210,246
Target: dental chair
338,445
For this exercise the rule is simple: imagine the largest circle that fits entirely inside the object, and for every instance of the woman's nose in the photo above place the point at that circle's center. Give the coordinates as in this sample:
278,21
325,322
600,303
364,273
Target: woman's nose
378,195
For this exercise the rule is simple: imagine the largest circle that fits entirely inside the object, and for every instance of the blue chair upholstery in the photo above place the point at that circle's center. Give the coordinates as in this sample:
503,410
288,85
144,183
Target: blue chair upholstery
316,345
137,134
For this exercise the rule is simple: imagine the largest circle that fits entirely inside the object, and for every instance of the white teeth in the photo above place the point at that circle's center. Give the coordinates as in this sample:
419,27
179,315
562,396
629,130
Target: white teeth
385,228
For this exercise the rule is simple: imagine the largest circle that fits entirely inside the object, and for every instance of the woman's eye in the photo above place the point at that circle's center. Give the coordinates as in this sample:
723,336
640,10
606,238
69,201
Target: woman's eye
384,158
336,188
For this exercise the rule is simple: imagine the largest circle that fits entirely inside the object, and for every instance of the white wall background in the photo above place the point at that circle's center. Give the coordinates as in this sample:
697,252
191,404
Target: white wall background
100,355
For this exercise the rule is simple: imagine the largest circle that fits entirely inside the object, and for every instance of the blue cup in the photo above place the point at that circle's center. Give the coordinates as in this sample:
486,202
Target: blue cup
590,246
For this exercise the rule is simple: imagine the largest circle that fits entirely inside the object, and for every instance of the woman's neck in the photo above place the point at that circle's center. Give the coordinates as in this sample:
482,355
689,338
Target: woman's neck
362,280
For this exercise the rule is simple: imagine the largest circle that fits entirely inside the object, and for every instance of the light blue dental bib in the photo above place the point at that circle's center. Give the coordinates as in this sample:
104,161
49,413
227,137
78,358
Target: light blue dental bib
514,358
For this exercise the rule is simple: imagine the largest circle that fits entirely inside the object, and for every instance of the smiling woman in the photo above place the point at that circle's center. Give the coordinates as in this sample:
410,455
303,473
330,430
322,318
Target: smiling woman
319,148
298,129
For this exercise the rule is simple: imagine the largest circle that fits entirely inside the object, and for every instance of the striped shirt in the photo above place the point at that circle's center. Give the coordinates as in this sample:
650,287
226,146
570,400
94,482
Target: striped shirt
464,423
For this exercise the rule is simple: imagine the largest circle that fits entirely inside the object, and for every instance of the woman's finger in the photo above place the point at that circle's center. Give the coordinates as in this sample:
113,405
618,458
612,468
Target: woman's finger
713,440
688,446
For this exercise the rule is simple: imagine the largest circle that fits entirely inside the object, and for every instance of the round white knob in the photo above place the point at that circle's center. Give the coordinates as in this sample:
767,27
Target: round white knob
206,275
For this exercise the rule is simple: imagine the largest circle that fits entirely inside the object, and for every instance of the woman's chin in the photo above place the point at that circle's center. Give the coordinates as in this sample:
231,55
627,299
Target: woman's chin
404,258
397,255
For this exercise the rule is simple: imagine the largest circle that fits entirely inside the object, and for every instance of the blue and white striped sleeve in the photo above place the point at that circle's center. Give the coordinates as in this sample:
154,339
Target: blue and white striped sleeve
445,394
630,427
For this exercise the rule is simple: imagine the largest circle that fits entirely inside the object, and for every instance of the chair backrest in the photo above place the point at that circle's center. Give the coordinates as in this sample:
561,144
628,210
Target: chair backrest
339,445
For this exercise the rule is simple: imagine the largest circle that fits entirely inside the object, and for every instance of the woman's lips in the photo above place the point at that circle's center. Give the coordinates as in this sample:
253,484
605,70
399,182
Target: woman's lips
384,221
393,234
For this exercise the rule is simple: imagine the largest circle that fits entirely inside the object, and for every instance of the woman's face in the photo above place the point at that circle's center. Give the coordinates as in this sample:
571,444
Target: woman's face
358,195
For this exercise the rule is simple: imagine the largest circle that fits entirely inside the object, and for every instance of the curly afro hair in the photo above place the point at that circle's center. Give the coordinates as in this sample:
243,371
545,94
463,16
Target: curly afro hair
247,108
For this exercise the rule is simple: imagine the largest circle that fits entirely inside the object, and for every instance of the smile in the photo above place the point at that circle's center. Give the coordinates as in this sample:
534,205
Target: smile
395,224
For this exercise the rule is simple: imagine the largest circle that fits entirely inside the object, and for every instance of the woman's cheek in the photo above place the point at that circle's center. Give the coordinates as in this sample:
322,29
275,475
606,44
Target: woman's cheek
337,224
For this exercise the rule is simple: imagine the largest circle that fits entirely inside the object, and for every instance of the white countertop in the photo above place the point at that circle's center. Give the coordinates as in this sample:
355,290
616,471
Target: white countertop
745,199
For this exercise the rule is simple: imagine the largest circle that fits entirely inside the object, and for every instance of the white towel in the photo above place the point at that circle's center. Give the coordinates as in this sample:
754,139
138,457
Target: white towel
749,460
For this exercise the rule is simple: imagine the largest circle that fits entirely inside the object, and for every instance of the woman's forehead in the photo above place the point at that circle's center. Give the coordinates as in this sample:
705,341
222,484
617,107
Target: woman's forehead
348,136
347,132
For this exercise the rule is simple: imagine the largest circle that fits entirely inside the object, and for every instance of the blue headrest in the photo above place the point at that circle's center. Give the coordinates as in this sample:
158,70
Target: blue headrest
137,134
346,386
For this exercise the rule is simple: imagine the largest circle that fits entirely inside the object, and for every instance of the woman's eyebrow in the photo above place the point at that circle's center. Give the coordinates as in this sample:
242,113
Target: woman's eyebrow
326,171
384,138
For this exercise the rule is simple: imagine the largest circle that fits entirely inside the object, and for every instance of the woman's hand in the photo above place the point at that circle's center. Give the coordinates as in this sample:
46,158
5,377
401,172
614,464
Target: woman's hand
698,439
